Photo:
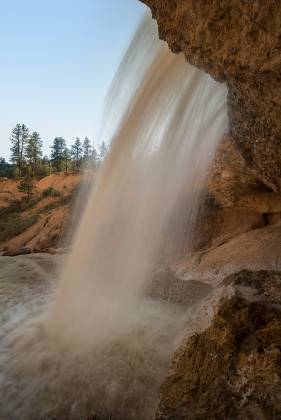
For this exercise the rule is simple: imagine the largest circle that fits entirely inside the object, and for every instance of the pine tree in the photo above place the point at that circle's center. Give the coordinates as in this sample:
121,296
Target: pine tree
27,186
18,139
6,169
3,165
16,147
87,149
66,160
24,140
76,152
45,166
33,152
57,153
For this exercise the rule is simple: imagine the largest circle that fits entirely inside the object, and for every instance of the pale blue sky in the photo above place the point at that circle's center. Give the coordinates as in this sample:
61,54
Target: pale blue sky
57,59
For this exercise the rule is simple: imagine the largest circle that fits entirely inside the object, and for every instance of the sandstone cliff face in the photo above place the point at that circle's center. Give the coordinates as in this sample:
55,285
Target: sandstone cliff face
236,42
230,176
232,370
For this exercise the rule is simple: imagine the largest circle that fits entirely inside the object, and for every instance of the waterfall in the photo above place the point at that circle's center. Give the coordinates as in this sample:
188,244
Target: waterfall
102,345
166,119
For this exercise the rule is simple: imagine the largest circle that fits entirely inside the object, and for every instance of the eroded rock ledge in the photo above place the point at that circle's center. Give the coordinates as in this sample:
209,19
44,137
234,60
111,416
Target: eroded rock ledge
232,370
237,42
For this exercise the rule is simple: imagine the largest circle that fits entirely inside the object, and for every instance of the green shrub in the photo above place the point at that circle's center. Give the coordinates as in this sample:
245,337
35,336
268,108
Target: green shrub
13,225
50,192
64,199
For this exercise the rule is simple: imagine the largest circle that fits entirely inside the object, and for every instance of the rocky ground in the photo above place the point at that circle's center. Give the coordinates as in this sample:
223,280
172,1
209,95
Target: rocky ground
232,369
229,364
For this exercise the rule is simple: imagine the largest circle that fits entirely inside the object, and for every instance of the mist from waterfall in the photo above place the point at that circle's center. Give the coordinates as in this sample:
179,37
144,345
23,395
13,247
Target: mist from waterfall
102,347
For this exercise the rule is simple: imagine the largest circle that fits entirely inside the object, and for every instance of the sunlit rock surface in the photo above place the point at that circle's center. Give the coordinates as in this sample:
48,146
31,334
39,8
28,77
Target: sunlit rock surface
237,43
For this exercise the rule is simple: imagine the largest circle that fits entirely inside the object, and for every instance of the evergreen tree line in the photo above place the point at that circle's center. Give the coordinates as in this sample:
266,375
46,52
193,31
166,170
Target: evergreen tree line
27,158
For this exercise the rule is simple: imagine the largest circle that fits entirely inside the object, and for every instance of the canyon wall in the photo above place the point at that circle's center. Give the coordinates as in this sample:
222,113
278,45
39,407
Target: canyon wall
238,43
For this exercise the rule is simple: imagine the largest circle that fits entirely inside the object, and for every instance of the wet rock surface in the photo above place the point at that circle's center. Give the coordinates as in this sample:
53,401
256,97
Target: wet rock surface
166,286
217,225
232,370
231,178
236,42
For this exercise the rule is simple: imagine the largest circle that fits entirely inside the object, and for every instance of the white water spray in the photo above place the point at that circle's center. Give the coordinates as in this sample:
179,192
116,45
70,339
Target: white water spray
165,119
170,118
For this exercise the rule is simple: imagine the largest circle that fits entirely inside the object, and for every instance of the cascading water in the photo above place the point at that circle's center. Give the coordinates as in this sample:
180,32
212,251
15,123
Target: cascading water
102,348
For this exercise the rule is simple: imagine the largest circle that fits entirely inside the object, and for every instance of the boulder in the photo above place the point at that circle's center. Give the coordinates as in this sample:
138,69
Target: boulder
231,370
